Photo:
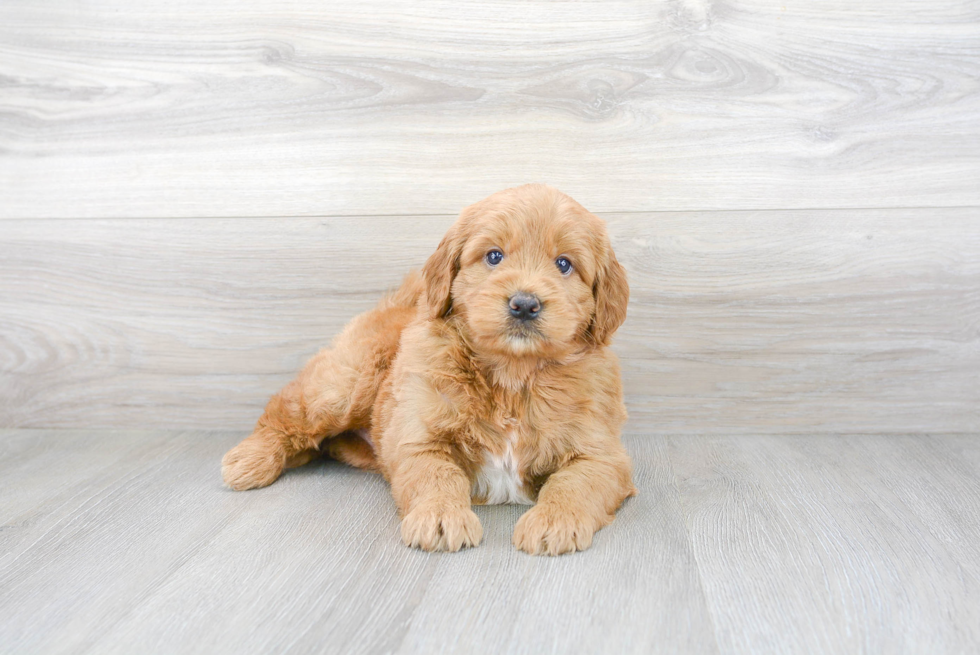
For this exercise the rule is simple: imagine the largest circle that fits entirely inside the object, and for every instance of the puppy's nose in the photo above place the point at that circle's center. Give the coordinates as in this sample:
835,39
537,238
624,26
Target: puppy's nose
524,306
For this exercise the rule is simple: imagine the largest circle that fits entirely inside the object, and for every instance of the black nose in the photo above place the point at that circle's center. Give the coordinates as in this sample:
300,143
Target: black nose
524,306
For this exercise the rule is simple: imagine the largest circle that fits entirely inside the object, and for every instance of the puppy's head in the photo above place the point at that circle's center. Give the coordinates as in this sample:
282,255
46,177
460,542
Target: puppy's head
529,272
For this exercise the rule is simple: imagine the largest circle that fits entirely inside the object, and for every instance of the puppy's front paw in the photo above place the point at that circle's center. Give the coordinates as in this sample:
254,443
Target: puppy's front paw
252,463
549,530
433,526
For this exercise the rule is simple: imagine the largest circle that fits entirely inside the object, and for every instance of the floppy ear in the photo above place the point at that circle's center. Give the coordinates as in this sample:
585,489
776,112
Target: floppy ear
612,294
440,271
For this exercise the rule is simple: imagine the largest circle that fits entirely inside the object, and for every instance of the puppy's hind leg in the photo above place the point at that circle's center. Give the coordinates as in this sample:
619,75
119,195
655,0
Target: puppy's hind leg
334,393
288,433
353,450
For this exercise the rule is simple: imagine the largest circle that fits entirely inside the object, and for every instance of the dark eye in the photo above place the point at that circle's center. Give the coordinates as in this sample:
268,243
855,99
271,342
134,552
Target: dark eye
494,257
563,265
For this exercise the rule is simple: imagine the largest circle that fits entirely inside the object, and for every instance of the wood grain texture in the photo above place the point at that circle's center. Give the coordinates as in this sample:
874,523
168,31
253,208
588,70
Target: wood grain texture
269,108
825,544
779,322
803,545
165,560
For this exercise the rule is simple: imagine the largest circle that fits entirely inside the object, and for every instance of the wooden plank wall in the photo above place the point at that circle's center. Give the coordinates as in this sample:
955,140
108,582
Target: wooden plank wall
195,196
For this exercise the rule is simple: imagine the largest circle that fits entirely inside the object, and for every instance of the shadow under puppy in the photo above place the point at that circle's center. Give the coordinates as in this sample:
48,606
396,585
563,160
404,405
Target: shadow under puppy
486,379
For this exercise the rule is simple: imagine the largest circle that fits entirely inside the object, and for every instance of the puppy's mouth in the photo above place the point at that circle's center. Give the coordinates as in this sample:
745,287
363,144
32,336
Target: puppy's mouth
523,331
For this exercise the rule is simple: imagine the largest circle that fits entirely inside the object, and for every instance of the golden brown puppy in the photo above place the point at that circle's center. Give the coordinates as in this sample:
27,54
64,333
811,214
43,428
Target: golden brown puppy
486,379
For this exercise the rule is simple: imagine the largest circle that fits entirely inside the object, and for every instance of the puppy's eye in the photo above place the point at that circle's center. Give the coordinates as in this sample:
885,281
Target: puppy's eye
563,265
494,257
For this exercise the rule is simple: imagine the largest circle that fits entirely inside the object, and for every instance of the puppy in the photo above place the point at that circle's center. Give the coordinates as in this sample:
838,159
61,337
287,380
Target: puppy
485,379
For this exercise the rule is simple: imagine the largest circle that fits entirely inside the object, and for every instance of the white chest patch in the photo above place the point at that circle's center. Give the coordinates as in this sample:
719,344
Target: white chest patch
499,482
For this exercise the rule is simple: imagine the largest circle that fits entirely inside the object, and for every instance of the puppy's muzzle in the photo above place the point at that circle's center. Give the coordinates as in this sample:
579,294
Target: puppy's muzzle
524,306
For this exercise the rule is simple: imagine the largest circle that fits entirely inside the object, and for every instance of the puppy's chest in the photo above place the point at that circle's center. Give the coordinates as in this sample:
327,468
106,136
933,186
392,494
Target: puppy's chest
498,480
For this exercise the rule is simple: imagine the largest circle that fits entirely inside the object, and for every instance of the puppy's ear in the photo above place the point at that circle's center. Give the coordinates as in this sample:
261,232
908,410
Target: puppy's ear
612,294
440,271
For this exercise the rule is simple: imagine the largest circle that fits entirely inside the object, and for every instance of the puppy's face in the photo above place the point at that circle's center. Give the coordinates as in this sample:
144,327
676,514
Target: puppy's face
529,272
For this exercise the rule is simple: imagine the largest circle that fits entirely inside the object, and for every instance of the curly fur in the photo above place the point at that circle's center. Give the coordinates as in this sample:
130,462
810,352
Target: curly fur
439,379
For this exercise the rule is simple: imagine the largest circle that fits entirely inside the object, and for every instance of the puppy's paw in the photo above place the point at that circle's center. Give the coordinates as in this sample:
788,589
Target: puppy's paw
549,530
252,463
433,526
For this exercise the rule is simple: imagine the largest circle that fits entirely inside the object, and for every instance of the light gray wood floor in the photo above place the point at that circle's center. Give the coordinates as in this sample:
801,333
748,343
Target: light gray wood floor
126,542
